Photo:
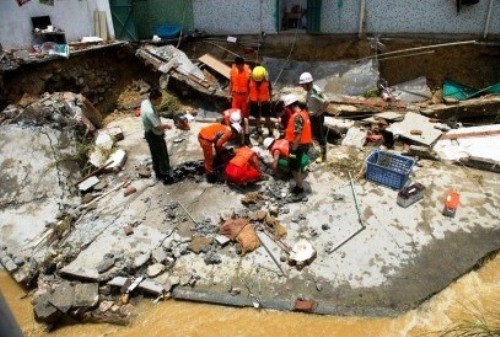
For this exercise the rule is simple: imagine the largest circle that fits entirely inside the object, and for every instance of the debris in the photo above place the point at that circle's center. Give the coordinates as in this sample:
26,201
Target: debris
128,230
251,198
216,65
151,287
325,227
426,134
486,106
129,190
45,312
222,240
105,306
88,183
63,297
87,274
198,244
144,171
155,269
302,253
355,137
115,133
212,258
140,260
423,152
9,264
117,159
413,91
118,281
105,265
240,230
86,295
159,255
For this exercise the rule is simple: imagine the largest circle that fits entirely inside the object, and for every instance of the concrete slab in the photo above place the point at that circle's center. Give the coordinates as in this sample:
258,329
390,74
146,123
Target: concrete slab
391,266
426,135
335,78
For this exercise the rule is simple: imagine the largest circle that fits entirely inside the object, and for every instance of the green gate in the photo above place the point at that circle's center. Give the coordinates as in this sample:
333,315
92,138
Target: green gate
122,12
314,16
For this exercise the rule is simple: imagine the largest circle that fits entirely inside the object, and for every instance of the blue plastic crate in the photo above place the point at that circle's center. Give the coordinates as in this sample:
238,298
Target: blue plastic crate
388,169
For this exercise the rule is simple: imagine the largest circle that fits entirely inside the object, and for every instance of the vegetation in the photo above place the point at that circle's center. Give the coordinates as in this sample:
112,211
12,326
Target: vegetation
480,326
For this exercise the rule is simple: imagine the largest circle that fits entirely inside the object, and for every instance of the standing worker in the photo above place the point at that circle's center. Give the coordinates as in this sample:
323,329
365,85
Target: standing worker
238,85
154,134
317,105
259,96
215,136
299,135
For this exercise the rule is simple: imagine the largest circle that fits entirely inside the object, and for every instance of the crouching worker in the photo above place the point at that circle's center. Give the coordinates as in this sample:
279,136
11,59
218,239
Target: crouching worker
244,167
234,116
280,151
215,136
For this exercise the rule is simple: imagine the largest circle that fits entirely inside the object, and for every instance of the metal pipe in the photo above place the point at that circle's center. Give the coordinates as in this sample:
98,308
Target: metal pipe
271,255
355,200
406,55
421,48
361,17
488,17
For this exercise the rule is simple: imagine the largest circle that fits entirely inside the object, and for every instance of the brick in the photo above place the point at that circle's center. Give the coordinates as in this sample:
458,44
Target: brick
129,190
128,230
305,305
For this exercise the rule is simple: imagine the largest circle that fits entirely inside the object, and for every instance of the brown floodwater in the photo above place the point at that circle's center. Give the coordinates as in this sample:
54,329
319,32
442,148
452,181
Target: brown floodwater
477,294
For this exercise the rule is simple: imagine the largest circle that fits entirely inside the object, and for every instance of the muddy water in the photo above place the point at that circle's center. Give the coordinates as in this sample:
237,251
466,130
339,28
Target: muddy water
474,294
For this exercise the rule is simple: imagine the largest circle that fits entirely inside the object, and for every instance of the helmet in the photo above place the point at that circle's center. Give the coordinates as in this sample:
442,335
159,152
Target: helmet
237,127
305,78
289,99
259,73
235,116
268,142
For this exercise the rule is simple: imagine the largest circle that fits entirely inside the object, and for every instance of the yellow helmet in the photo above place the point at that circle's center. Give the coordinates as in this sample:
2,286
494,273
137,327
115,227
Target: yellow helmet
259,73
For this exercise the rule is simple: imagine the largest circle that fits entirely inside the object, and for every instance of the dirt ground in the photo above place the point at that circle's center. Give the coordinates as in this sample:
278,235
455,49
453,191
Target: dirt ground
105,77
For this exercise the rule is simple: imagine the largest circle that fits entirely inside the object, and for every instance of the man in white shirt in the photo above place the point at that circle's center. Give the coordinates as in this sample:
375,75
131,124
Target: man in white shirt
154,132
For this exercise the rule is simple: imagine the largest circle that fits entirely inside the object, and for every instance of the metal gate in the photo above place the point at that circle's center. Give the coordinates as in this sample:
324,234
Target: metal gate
123,19
314,16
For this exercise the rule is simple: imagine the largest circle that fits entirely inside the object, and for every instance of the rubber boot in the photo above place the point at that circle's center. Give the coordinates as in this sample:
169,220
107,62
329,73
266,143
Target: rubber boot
247,140
322,158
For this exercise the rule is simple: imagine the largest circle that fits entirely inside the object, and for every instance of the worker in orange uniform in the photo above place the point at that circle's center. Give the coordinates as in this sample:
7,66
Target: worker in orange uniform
215,136
234,116
238,85
259,97
279,149
244,167
299,135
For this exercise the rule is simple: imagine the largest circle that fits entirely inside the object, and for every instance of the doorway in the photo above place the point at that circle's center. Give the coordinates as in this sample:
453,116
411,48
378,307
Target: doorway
299,15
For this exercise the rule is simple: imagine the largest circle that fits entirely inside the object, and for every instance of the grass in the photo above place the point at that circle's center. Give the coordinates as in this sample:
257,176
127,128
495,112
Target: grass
169,104
480,326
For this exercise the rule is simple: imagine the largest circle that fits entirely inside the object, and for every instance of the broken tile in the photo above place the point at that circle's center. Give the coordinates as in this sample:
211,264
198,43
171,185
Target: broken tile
155,269
86,295
63,297
151,286
88,183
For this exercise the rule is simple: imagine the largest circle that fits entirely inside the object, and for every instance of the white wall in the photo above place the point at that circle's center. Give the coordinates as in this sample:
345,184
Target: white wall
235,16
410,16
75,17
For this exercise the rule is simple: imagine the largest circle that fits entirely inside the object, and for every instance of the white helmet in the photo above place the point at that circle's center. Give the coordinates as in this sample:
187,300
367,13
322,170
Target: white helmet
305,78
237,127
235,116
289,99
267,142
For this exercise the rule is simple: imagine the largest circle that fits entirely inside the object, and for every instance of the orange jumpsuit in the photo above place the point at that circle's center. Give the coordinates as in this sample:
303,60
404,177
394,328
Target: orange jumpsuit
239,88
243,168
213,135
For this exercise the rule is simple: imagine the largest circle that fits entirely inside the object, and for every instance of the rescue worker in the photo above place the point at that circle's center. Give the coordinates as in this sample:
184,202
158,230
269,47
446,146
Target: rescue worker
234,116
317,104
259,96
154,132
298,133
279,149
238,85
244,167
215,136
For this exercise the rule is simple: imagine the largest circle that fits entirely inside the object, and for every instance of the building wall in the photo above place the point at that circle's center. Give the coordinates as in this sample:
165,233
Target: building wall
235,16
409,16
153,13
75,17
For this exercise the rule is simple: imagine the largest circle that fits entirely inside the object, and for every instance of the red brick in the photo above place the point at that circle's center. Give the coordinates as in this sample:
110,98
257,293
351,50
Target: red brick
305,305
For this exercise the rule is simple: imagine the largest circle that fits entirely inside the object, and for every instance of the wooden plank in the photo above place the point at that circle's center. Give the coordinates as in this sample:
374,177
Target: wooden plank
216,65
